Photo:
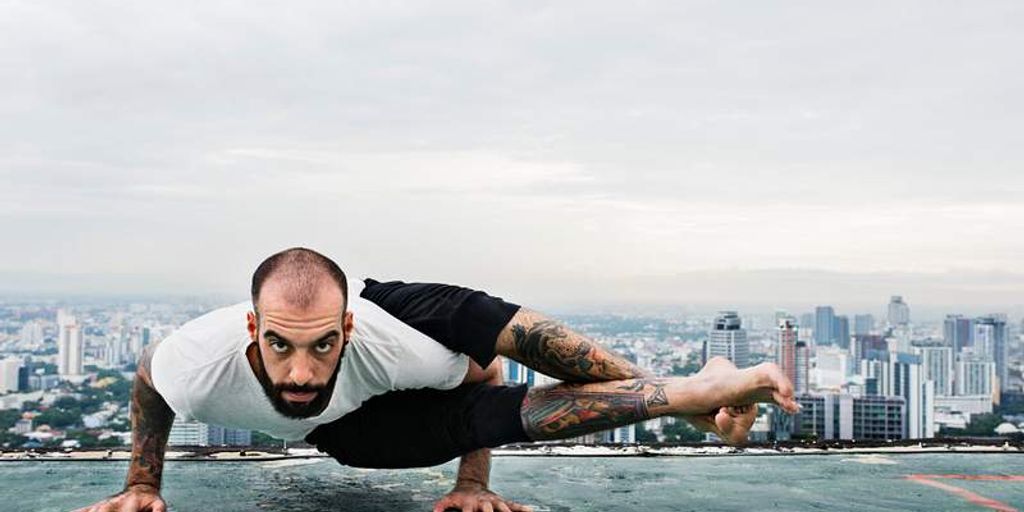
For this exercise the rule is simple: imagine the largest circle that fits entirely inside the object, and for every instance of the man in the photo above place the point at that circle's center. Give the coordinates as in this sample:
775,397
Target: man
404,375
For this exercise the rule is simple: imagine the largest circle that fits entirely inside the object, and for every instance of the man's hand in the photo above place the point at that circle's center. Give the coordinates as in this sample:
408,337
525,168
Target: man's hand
471,497
137,498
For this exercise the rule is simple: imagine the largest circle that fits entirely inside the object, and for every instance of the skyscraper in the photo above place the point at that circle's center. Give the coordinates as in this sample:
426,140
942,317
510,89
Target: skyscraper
990,342
803,368
786,335
69,345
974,376
841,332
899,312
10,370
824,318
863,324
899,374
957,332
729,340
938,367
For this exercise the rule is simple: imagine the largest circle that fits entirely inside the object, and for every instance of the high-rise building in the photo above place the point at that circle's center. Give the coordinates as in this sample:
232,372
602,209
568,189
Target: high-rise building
899,312
10,370
32,333
864,345
990,342
899,374
112,351
728,339
786,335
938,364
801,383
975,376
69,345
957,332
841,331
824,318
863,324
843,416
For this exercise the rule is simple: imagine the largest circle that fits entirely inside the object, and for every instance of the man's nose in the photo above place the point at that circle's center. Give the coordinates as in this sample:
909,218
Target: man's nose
302,370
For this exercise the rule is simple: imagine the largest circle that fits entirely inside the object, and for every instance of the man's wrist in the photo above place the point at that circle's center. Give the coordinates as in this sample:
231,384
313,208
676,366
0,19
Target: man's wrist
470,483
142,486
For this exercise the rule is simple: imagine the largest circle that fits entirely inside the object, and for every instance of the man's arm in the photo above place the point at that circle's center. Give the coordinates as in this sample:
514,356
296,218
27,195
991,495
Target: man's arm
151,425
472,483
555,350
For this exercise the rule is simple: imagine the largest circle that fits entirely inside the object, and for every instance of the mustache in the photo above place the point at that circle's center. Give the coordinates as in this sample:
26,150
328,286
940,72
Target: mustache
296,388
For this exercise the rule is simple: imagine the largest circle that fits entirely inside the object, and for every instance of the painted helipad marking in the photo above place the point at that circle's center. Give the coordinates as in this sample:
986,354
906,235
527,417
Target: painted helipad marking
972,497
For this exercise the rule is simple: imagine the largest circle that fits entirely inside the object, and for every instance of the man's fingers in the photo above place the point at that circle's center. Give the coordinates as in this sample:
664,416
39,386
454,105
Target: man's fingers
486,506
159,506
519,507
444,504
502,507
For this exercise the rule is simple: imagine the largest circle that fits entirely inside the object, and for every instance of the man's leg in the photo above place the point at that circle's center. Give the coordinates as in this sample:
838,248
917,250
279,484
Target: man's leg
553,412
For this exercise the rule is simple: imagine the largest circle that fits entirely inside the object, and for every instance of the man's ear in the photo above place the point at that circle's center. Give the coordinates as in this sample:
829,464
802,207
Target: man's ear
347,325
252,326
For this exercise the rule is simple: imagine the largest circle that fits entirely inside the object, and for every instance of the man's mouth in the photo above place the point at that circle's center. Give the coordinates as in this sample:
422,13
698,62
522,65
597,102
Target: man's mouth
299,396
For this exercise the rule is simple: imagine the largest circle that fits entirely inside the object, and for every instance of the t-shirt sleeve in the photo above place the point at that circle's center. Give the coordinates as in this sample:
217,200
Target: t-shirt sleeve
170,378
432,365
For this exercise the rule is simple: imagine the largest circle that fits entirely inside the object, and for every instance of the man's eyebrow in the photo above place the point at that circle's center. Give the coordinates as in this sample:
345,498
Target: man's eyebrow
333,333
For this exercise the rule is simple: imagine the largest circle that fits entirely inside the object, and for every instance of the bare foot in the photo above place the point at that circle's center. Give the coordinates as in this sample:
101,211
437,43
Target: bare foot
731,424
720,384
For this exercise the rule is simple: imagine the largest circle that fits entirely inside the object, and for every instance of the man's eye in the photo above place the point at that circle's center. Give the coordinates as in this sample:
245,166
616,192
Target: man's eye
323,348
278,346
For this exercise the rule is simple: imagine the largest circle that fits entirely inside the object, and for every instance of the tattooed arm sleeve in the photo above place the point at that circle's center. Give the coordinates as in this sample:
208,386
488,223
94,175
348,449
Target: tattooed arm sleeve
555,350
151,424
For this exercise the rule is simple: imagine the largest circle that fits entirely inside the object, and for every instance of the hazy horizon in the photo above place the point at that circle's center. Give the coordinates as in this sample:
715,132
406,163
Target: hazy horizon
686,152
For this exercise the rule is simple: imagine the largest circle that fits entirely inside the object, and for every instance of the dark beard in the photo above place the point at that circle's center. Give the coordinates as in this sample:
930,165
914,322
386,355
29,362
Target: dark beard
291,409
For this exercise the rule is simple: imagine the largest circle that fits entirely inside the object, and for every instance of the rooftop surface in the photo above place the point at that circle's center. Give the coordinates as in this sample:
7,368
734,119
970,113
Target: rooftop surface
855,482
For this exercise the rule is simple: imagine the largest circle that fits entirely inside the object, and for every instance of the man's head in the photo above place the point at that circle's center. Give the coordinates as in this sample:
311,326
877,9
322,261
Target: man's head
299,325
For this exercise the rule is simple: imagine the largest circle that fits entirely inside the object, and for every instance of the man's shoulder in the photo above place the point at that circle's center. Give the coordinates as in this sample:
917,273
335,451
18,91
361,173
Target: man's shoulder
207,338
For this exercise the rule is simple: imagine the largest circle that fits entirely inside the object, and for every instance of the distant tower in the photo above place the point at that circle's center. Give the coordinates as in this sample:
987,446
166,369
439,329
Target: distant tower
990,342
899,312
785,347
824,320
728,339
69,345
841,331
958,332
863,324
803,368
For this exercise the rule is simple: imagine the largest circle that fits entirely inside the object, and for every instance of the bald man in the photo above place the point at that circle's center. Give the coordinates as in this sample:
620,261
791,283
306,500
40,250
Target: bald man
394,375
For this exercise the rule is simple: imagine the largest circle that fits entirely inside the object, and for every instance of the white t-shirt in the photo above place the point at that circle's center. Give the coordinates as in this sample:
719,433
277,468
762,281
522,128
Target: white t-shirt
201,370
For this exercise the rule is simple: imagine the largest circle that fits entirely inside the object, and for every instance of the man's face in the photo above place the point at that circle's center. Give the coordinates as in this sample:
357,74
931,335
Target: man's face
299,349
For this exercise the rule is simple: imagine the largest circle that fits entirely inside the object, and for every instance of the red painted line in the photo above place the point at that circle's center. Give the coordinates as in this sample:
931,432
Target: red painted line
1001,478
971,497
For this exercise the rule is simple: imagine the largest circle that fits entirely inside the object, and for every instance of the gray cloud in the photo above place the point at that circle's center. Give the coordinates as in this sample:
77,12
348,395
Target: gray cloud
510,142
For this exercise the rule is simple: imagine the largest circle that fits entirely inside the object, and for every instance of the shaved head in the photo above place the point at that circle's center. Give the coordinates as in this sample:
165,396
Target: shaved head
299,277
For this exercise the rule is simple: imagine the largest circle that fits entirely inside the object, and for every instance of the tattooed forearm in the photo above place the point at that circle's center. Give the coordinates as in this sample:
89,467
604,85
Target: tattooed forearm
554,350
570,410
151,424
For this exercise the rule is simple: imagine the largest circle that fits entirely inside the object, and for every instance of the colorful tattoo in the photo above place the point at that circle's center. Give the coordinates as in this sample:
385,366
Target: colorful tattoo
570,410
551,349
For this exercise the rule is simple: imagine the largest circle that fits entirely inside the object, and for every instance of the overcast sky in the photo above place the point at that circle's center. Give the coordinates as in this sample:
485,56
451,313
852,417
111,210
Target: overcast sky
582,152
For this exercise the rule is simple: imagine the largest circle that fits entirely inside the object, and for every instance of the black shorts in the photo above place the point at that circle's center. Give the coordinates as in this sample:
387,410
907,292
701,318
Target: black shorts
426,427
